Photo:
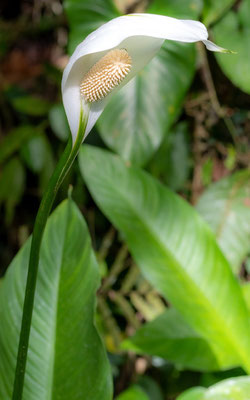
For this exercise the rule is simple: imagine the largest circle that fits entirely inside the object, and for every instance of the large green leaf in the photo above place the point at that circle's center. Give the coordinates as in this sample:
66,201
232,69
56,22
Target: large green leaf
233,32
225,206
229,389
185,9
85,16
66,359
133,393
175,250
168,336
214,9
147,106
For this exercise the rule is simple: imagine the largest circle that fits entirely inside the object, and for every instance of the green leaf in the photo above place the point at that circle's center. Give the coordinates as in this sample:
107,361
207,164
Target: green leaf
133,393
85,16
193,394
185,9
34,153
12,185
31,105
172,162
233,32
225,205
229,389
175,250
149,104
66,359
14,140
214,9
59,123
169,337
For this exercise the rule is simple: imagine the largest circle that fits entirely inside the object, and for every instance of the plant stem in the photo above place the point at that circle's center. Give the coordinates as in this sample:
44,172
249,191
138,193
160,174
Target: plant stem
48,198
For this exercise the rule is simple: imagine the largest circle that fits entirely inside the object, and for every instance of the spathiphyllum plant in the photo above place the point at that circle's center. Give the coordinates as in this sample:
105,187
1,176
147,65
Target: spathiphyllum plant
100,66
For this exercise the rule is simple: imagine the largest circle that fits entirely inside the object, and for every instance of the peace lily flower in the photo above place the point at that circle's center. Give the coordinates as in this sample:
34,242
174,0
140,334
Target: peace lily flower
112,55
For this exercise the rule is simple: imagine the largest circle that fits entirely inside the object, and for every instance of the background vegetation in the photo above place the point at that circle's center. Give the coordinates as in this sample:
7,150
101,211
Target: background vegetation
185,120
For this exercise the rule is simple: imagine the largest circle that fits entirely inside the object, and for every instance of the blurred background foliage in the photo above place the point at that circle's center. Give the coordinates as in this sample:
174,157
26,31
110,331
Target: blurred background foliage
185,119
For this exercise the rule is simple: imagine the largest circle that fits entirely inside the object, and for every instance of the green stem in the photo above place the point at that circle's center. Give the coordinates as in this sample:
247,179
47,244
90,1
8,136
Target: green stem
56,180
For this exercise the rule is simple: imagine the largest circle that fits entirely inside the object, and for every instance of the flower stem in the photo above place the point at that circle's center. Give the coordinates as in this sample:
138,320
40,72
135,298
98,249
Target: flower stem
48,198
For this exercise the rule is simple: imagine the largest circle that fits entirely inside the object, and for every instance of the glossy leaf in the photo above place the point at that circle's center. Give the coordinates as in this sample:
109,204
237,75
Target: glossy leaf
229,389
225,205
175,250
85,16
169,337
214,9
133,393
66,359
147,106
233,32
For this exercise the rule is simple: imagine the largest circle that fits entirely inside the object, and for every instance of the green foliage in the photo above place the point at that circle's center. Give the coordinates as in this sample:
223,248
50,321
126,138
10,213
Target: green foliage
66,358
147,106
58,122
31,105
133,393
14,140
233,31
185,9
175,250
12,185
85,16
221,205
213,10
169,337
230,389
172,162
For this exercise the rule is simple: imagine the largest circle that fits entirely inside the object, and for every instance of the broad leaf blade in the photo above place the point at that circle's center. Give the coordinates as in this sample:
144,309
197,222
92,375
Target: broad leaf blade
214,9
168,336
85,16
66,359
147,106
233,32
229,389
175,250
225,205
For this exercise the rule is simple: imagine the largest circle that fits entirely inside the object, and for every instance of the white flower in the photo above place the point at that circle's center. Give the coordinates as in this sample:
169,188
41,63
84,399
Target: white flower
137,37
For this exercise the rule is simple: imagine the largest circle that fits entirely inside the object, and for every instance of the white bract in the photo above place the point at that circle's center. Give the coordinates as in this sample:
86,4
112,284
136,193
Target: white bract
141,35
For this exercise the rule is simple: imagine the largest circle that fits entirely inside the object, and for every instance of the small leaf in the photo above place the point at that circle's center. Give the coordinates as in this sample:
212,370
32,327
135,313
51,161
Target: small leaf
175,250
14,140
193,394
66,359
229,389
59,122
12,185
133,393
34,153
225,205
31,105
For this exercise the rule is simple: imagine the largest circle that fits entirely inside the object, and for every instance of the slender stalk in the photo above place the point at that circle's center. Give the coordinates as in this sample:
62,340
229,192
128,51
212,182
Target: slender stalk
56,180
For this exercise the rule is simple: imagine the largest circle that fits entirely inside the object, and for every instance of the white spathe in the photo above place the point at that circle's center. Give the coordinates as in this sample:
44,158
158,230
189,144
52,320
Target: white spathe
141,35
